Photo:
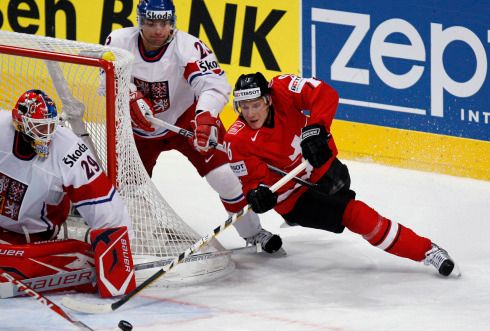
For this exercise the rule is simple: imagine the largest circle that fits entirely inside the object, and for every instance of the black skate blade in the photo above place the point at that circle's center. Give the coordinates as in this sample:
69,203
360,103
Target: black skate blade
256,249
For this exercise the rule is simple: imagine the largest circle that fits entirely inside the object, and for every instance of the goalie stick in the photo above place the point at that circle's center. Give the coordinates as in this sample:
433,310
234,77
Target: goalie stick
90,308
45,301
87,275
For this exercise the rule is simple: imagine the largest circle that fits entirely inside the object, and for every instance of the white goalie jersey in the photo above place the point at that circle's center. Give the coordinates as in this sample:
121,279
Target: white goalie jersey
35,192
183,72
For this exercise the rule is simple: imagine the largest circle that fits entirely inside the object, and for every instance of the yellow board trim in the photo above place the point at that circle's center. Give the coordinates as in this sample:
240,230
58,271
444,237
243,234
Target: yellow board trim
414,150
406,149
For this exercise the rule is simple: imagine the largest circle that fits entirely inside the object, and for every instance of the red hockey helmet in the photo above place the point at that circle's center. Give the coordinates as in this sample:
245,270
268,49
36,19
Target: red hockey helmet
36,116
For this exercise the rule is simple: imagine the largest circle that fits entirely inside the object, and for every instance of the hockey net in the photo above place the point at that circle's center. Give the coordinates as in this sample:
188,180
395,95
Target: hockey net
90,84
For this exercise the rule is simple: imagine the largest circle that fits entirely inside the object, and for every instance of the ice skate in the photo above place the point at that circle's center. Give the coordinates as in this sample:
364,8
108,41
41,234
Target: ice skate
441,260
269,242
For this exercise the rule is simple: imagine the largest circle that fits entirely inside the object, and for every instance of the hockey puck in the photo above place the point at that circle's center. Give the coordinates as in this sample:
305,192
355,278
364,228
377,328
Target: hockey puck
125,325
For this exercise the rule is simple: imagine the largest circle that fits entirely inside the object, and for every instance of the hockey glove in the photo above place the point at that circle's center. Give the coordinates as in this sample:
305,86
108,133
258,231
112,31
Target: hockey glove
205,128
261,199
314,145
140,108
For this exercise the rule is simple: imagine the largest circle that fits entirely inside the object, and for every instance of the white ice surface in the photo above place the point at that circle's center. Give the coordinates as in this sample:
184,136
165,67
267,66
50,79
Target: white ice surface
327,281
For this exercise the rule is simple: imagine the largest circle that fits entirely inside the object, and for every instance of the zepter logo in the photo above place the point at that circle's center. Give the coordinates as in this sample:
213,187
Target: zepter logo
426,73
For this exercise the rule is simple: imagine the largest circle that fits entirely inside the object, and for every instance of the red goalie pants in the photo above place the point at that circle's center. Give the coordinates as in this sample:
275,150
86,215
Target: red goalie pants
384,233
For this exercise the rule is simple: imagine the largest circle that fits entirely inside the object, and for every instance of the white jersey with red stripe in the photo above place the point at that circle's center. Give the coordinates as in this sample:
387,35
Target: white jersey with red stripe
183,72
35,192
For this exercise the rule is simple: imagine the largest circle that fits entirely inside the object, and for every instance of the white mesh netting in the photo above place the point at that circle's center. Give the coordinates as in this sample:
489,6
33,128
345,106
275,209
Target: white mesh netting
78,90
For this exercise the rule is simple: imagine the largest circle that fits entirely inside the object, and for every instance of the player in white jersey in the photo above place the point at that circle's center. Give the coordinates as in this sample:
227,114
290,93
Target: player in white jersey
178,78
44,167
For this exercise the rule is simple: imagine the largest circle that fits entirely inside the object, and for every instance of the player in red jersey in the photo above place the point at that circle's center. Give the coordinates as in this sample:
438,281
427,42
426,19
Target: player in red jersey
287,120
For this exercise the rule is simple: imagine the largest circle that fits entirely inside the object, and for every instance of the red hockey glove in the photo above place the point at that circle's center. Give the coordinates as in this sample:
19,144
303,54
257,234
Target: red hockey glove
205,128
113,261
261,199
140,108
314,144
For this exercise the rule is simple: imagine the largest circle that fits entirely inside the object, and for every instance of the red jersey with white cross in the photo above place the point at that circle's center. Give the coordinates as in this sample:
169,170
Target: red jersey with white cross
296,102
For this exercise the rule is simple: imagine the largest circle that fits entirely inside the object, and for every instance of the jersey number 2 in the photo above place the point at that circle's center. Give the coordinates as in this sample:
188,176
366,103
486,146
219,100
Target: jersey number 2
90,166
202,49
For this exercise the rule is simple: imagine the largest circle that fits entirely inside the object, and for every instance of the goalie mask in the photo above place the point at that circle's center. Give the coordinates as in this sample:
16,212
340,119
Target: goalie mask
36,116
250,87
156,10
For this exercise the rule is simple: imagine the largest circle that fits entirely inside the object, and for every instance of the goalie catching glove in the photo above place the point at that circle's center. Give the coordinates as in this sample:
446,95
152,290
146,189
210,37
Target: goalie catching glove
139,108
261,199
314,144
113,261
205,128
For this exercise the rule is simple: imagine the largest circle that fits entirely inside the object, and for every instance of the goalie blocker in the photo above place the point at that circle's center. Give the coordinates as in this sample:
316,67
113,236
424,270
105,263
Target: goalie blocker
113,261
110,253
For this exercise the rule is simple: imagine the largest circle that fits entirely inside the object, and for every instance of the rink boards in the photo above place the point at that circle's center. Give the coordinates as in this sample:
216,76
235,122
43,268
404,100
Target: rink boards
412,77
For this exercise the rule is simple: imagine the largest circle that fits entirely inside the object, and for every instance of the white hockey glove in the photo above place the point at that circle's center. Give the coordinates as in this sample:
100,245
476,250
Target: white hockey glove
205,128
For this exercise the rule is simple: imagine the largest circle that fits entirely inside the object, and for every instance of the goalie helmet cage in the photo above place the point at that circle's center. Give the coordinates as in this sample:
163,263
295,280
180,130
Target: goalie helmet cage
90,85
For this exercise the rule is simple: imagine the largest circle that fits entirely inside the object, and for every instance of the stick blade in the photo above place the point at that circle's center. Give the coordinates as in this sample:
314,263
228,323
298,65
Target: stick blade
87,308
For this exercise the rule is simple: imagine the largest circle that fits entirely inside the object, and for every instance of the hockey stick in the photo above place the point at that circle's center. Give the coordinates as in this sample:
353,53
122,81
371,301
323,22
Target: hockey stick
104,308
182,131
296,179
219,147
86,276
45,301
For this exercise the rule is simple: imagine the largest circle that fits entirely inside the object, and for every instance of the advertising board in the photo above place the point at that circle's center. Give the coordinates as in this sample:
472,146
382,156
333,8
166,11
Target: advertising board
409,65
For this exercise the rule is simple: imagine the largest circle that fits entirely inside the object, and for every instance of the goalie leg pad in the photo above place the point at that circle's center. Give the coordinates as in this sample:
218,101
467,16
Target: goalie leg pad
49,258
113,261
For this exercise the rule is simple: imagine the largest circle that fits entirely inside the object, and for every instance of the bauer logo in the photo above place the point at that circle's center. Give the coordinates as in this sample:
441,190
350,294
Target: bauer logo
394,65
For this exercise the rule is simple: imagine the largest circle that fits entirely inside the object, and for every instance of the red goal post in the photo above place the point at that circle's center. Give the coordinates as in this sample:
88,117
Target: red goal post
90,85
107,67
